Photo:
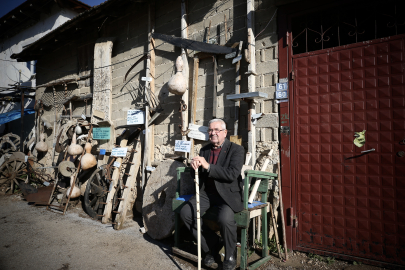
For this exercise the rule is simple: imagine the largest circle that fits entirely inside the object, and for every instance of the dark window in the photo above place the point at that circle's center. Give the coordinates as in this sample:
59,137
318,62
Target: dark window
356,22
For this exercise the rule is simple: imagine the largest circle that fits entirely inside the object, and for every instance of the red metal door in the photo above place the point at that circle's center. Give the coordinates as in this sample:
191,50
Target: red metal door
349,202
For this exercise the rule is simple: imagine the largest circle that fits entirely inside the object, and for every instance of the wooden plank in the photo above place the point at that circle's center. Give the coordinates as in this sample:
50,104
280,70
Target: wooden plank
116,174
152,89
102,88
194,99
130,184
236,139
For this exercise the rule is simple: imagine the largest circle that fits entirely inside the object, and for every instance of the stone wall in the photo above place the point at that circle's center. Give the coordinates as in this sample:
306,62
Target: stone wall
130,32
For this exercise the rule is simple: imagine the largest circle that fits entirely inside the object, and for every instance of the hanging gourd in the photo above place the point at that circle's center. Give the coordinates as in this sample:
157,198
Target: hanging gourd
177,84
74,149
78,129
41,145
75,191
88,160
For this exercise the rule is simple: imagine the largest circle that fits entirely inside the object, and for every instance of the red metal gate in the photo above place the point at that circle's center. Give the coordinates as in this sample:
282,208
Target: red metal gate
349,202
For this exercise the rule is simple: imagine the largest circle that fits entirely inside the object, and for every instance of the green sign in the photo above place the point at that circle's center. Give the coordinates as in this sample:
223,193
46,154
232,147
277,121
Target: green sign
101,133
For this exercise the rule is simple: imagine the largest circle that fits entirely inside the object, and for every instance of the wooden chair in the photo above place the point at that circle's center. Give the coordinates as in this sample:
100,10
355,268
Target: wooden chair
242,218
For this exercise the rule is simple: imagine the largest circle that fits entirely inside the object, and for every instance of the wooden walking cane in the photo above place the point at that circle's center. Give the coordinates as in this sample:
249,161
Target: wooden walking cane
197,199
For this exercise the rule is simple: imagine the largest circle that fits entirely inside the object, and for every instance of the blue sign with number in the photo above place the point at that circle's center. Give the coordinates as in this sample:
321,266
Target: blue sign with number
281,86
282,94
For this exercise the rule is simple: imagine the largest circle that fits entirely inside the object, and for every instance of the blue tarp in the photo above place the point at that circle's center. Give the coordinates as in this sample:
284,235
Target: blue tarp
13,115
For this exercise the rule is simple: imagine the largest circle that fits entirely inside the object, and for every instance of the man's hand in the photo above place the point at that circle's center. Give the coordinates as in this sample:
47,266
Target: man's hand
199,161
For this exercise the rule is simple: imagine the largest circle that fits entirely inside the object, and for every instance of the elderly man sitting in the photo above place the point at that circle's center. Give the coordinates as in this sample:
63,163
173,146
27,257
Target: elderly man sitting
219,165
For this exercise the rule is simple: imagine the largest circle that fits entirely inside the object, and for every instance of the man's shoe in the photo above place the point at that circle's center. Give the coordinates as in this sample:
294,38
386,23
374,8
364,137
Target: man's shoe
210,256
208,260
230,263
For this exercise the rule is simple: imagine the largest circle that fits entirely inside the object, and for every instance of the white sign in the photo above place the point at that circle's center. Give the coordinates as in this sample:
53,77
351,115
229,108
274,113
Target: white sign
146,79
116,164
182,146
150,168
119,152
198,132
135,117
84,117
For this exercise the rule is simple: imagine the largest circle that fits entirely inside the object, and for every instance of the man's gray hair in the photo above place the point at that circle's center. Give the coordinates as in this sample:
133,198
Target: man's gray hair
223,124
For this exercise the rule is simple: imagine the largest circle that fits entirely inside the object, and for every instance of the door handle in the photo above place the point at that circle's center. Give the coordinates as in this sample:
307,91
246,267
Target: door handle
368,151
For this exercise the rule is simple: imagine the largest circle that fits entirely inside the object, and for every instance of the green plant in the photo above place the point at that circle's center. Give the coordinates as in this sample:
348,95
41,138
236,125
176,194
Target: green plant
330,260
356,263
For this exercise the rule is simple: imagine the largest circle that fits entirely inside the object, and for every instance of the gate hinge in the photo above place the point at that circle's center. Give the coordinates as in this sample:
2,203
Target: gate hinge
292,75
285,130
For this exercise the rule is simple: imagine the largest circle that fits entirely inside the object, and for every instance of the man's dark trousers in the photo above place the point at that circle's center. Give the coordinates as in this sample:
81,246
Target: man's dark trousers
225,219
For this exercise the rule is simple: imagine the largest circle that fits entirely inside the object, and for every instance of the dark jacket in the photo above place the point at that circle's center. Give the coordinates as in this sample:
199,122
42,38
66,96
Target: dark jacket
227,173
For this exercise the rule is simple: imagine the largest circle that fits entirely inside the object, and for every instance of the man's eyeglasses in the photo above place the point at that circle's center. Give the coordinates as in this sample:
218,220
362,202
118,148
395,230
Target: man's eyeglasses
210,131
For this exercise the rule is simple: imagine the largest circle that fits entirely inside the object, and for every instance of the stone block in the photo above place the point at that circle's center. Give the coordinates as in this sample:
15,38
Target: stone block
204,114
258,133
269,91
267,67
275,134
268,120
268,54
266,40
268,134
267,106
268,79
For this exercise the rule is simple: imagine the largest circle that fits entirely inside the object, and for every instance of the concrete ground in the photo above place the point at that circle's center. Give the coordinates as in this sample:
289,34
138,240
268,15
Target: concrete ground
33,238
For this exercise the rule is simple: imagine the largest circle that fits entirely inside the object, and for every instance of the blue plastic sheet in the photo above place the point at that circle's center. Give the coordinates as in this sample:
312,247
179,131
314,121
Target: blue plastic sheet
13,115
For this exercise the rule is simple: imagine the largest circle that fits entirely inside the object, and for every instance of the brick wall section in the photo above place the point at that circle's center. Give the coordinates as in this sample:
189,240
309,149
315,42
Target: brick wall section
130,44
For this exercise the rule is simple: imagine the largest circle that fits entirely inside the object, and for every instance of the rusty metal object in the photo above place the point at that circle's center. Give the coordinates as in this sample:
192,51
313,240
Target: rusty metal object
41,197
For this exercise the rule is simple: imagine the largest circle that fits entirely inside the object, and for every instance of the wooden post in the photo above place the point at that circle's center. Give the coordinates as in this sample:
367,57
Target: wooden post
146,153
22,119
185,72
251,77
214,94
194,99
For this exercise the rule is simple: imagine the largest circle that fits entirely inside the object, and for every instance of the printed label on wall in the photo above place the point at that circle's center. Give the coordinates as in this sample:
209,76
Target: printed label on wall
135,117
101,133
182,146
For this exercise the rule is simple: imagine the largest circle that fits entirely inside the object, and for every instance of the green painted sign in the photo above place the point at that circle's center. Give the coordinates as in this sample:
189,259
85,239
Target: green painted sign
101,133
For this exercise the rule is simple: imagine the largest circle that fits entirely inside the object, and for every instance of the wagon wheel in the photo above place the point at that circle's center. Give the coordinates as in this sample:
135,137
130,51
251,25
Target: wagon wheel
9,143
96,192
12,170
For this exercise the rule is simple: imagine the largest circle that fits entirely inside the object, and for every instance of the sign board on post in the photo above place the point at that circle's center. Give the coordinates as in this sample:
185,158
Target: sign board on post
281,86
135,117
102,133
281,94
198,132
119,152
182,146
